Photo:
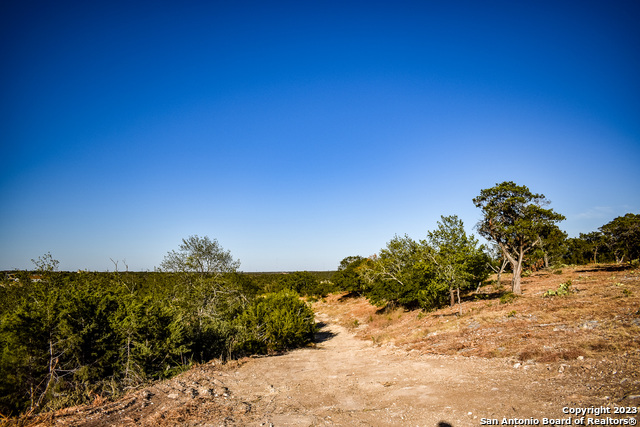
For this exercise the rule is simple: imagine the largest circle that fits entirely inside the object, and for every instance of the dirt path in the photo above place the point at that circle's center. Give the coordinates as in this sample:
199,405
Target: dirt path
345,381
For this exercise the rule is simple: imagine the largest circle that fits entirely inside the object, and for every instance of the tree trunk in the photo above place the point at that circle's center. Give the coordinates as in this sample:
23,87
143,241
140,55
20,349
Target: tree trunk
517,273
505,261
515,259
452,294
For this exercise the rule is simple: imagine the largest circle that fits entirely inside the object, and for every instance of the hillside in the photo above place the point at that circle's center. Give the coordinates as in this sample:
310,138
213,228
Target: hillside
599,316
463,366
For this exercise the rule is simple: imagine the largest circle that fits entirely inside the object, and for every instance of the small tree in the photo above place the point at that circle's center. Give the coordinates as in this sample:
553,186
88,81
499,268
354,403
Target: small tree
350,276
496,261
206,296
200,255
552,244
515,219
593,241
401,275
459,262
46,263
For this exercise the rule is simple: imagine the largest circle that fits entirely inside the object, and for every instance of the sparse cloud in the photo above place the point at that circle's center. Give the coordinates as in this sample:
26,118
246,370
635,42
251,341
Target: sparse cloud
596,212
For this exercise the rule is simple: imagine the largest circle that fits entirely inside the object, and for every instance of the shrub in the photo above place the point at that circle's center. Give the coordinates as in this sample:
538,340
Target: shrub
563,289
275,322
508,297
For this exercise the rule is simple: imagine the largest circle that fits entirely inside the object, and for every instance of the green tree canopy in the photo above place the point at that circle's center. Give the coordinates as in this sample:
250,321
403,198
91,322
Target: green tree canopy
351,274
460,262
622,236
515,219
200,255
400,273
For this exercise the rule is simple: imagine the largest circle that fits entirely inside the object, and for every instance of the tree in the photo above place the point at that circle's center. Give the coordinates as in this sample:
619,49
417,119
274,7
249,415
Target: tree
46,263
350,276
594,241
200,255
552,244
459,262
515,219
622,236
402,275
496,261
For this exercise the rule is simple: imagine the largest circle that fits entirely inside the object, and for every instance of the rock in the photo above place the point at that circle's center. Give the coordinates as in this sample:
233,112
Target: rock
203,391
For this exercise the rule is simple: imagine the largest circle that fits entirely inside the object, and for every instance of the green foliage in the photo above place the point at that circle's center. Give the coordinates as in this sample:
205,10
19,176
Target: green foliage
513,218
278,321
508,298
425,274
616,241
352,275
459,262
71,336
563,290
302,282
200,255
622,237
403,275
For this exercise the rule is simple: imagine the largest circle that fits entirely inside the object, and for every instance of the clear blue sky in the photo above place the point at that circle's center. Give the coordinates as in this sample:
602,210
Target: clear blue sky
298,133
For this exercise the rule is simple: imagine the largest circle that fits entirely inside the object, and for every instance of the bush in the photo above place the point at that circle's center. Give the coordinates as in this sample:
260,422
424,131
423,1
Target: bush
302,282
275,322
563,289
508,297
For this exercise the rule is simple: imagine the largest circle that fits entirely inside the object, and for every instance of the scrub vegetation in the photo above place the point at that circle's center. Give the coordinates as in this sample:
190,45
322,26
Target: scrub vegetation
73,337
67,338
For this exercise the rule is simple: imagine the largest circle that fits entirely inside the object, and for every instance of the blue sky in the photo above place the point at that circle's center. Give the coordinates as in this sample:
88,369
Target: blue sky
299,133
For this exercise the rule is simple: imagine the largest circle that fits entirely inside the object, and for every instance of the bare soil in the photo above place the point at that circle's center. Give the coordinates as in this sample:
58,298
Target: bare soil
463,366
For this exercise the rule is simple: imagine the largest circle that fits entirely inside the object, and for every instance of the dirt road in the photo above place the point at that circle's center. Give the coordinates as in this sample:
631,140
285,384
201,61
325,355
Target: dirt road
345,381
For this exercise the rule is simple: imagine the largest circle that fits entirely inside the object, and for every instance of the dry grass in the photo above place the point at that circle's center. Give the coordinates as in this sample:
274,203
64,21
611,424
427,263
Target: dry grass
601,316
